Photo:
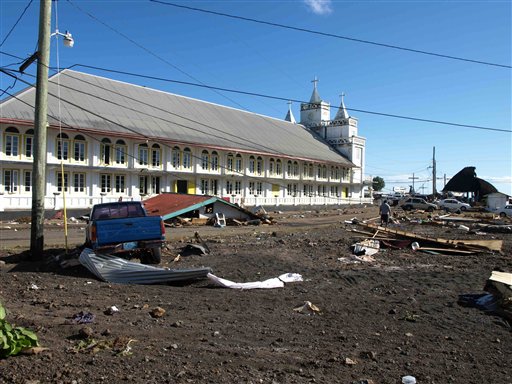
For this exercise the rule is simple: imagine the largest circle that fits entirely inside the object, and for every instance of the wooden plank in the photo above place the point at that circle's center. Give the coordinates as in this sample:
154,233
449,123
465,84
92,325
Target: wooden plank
446,250
501,277
490,245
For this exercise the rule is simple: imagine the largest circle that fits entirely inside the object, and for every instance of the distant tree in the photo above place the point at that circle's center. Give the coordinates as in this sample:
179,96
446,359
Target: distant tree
378,183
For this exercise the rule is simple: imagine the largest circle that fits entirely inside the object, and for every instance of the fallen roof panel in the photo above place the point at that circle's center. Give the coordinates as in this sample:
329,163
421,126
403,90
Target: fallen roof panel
116,270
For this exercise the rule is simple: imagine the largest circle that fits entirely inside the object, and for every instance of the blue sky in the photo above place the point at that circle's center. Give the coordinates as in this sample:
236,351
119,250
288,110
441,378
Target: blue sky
154,39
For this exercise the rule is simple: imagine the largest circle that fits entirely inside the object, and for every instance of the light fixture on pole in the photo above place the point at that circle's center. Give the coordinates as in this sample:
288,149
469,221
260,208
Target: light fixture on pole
68,38
68,42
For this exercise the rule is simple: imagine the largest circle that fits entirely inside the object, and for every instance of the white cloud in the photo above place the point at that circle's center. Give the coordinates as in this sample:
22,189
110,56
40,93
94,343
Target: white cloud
319,7
497,179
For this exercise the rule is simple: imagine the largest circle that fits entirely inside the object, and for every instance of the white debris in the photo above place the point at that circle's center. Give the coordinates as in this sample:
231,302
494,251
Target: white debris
276,282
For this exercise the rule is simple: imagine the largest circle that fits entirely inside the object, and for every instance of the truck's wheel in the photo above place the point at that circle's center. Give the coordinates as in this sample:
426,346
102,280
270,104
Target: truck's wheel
152,256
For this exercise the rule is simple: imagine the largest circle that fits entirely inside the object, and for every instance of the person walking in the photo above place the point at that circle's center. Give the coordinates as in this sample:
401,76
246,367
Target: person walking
385,211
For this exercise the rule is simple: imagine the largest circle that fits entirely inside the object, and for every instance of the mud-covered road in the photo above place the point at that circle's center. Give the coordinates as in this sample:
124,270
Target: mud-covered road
377,321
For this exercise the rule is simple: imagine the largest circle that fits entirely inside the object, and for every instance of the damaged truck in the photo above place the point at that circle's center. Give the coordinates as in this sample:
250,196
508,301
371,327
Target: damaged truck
125,227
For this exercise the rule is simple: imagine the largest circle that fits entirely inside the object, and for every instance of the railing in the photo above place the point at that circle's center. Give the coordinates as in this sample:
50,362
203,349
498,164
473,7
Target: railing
56,202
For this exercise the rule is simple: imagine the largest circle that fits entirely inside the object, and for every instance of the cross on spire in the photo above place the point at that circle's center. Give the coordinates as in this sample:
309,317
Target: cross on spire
315,97
342,111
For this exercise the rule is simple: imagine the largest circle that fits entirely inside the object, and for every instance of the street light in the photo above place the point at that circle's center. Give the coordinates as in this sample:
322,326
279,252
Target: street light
68,38
68,42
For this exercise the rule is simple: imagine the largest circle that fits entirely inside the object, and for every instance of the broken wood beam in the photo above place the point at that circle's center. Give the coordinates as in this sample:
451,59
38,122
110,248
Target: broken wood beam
468,244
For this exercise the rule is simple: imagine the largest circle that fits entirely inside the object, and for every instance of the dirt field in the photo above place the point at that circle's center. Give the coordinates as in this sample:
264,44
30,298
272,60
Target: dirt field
377,321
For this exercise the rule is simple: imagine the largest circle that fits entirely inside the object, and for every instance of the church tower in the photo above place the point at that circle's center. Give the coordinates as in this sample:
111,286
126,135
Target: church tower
341,133
315,112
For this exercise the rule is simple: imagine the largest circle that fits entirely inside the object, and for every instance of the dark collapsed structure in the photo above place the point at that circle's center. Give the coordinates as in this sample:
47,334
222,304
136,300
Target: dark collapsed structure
467,181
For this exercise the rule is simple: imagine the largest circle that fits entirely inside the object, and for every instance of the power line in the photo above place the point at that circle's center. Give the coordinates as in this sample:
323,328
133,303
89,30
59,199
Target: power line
149,51
10,55
290,99
330,34
16,23
440,122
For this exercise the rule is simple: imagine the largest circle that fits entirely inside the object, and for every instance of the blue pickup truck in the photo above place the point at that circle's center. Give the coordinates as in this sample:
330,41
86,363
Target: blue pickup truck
125,227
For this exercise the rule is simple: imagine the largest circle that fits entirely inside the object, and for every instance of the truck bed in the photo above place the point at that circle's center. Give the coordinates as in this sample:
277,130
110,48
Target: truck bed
131,229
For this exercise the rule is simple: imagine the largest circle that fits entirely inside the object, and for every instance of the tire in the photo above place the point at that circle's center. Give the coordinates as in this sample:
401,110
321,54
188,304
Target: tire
503,214
156,255
407,208
151,256
430,209
463,208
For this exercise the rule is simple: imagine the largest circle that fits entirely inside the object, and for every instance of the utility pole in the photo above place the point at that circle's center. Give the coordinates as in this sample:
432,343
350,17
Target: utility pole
40,125
434,190
413,178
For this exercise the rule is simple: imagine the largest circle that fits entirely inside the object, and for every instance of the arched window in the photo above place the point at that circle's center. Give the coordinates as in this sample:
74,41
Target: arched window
295,169
156,155
259,166
271,167
230,162
28,143
105,151
62,146
120,152
335,173
143,154
252,166
238,163
79,148
205,163
12,142
187,158
215,162
289,168
176,157
279,168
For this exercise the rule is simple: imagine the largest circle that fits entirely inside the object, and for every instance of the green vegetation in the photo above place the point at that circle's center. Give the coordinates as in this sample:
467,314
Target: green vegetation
378,183
13,340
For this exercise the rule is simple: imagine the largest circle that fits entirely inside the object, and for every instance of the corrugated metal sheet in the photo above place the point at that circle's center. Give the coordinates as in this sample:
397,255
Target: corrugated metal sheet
127,109
116,270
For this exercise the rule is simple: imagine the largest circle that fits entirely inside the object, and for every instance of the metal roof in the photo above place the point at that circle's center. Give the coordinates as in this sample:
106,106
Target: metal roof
116,270
103,105
169,205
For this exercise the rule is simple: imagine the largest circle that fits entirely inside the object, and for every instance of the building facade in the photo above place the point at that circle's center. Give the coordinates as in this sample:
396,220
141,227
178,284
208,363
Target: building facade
115,140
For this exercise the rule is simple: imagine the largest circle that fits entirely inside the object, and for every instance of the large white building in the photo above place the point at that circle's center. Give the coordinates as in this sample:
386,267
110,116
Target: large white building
109,139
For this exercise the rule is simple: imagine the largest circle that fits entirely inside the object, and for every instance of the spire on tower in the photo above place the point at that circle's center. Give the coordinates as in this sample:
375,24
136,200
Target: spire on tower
342,111
315,97
289,116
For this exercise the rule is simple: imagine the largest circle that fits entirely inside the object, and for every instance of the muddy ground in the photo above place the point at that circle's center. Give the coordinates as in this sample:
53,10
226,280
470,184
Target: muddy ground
377,321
